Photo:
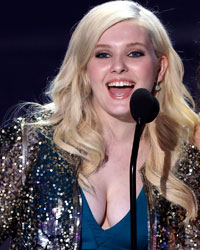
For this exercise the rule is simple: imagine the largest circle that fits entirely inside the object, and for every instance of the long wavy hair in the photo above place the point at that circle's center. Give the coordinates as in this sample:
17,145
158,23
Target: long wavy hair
78,130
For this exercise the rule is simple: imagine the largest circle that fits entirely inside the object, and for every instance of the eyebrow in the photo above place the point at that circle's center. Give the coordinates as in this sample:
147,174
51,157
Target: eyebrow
128,45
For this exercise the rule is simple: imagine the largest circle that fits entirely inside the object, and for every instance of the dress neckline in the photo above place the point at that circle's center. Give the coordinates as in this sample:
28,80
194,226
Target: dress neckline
127,215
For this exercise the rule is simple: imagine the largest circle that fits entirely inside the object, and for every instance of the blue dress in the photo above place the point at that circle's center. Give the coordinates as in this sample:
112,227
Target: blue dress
118,236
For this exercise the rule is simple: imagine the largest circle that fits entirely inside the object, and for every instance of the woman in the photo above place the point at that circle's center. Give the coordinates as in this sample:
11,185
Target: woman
65,169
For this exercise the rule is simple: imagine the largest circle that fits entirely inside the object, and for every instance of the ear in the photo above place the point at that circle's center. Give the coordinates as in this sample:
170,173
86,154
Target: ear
163,63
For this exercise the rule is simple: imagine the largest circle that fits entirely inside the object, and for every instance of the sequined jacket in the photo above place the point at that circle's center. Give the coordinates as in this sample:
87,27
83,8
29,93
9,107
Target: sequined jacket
40,201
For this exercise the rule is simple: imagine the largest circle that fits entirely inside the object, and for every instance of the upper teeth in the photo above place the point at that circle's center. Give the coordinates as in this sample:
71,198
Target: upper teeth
120,84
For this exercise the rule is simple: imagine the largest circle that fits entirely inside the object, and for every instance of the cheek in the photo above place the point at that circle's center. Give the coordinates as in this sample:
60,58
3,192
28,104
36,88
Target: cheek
97,69
147,74
92,72
145,71
151,70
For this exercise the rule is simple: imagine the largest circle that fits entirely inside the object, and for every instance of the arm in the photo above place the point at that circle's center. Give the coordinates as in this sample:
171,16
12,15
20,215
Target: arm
11,170
193,229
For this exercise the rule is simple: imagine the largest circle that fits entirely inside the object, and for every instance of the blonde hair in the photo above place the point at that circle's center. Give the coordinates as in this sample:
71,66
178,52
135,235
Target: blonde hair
77,127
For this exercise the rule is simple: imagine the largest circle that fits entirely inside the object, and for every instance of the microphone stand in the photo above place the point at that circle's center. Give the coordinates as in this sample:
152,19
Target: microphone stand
138,132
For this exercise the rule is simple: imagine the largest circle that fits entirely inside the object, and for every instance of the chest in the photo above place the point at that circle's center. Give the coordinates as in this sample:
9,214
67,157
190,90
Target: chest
110,201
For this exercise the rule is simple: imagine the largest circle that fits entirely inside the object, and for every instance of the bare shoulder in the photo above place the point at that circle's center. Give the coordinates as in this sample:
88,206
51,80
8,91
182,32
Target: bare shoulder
197,137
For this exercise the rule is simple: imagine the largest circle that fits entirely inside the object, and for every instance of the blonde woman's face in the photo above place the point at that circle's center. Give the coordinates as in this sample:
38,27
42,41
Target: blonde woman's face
123,61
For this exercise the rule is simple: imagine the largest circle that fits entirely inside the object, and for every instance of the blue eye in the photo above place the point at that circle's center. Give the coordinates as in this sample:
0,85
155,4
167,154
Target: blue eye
102,55
136,54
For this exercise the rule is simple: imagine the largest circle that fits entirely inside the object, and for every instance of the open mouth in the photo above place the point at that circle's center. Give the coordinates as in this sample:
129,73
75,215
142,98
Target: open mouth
120,89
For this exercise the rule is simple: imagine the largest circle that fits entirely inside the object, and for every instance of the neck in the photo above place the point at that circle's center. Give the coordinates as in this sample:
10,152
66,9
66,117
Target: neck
117,130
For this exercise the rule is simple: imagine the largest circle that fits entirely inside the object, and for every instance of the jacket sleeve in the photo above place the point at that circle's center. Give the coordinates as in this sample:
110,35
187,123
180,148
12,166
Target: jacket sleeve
193,230
189,173
11,171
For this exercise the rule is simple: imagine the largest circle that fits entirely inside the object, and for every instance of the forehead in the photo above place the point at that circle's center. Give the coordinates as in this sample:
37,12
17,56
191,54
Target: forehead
125,31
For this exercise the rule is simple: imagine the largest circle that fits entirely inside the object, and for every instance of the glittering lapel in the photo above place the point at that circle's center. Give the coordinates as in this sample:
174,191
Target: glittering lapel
44,211
166,228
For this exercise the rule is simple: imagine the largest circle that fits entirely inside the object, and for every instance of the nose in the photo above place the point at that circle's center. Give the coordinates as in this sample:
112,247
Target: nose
119,65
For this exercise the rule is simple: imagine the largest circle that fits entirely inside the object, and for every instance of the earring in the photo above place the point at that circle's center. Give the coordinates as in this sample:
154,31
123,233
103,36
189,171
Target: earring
157,87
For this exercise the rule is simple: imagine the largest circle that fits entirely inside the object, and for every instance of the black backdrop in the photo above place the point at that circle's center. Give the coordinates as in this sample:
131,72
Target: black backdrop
34,37
35,33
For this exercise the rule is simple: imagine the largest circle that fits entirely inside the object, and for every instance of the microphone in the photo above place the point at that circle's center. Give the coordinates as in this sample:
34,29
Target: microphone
144,108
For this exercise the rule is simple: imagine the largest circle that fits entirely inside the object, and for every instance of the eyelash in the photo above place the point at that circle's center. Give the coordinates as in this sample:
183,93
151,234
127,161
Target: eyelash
131,54
136,54
102,55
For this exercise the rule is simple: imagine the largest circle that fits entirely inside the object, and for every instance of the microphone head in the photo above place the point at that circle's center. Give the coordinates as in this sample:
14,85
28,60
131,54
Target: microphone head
144,106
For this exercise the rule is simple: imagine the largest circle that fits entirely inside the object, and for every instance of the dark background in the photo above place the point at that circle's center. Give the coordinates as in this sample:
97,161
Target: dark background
34,37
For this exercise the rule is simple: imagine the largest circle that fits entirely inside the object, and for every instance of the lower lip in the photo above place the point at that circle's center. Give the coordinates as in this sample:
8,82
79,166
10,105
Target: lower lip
121,96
